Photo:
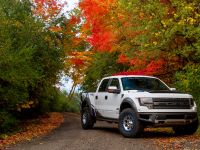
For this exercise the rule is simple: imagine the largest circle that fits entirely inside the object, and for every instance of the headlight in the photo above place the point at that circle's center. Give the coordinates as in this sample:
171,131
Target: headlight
146,101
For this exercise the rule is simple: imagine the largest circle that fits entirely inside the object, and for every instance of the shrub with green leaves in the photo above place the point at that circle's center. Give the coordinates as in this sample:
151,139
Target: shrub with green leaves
7,122
29,63
188,80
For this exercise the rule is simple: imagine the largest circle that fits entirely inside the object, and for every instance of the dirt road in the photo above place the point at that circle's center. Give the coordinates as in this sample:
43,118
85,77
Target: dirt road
70,136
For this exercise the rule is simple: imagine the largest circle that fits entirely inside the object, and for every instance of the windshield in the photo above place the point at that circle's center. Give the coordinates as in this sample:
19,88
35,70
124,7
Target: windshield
143,83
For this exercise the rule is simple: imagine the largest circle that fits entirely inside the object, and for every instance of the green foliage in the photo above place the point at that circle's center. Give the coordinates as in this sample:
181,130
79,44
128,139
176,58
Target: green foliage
188,80
30,61
7,122
104,64
72,105
172,28
58,101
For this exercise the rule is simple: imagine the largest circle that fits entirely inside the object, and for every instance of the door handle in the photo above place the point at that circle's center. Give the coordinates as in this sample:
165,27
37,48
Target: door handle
106,97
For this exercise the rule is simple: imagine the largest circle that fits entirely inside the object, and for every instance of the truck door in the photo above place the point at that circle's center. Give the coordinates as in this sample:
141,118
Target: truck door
113,101
100,97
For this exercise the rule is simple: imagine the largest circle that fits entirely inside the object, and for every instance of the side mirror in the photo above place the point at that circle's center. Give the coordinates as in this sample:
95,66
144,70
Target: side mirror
172,89
113,89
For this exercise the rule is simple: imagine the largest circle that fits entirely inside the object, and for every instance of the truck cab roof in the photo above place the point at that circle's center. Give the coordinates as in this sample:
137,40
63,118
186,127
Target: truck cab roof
122,76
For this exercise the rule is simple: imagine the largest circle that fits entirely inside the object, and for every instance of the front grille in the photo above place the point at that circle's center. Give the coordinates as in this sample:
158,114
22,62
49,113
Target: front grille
171,103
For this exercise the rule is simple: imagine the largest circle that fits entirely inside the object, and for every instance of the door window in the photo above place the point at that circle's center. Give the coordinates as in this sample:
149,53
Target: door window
103,85
115,82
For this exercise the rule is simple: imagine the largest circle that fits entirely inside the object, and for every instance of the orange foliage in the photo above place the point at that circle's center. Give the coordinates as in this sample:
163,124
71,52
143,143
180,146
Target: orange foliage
101,37
80,59
123,59
47,9
74,20
93,9
55,29
108,26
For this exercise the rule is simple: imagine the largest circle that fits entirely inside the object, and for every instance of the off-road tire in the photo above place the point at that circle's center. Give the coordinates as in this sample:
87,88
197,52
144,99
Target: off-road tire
87,120
131,128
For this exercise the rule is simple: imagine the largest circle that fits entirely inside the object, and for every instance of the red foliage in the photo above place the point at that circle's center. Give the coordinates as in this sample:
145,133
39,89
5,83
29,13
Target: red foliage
77,61
93,9
123,59
101,37
152,68
74,20
137,62
139,72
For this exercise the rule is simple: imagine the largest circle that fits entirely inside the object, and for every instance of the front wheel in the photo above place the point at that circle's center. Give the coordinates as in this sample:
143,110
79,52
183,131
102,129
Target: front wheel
87,121
129,125
187,129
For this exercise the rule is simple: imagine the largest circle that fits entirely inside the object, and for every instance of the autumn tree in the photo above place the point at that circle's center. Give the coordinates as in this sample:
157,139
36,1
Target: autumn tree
157,37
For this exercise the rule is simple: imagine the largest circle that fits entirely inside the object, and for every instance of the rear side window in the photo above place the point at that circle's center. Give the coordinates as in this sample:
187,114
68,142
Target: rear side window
103,85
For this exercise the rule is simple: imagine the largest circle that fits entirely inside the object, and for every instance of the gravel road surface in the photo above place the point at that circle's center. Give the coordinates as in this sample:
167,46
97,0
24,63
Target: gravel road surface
70,136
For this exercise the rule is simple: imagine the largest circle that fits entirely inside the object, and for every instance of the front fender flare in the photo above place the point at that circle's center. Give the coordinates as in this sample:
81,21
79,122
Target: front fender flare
131,103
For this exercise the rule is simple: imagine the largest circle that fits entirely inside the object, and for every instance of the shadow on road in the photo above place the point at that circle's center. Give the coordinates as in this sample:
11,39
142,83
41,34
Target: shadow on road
107,129
148,133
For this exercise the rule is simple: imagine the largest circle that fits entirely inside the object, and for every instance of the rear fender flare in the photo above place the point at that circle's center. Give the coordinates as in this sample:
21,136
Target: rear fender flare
86,103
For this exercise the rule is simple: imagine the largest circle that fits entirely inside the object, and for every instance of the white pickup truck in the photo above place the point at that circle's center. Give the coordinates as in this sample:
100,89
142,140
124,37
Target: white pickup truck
135,102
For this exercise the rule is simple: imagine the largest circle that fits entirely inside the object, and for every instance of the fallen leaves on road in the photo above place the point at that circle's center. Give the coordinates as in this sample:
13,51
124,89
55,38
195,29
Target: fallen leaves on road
167,140
33,128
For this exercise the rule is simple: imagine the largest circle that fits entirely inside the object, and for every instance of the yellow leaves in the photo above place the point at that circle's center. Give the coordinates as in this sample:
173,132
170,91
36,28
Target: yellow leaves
188,20
175,15
197,15
26,105
155,43
157,34
191,20
189,7
181,22
166,22
3,136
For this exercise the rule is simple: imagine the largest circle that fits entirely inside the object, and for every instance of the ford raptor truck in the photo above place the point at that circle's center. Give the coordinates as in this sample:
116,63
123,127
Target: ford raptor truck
135,102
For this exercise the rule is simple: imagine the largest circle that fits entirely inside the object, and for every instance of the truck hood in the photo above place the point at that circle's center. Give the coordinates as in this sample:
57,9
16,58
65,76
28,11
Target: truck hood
157,94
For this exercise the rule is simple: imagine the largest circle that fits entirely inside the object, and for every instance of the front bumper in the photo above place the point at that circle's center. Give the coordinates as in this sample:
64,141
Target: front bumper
168,119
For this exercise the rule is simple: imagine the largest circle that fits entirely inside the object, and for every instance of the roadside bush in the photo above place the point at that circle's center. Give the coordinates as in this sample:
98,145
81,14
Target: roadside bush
62,103
52,99
8,122
72,104
188,81
30,61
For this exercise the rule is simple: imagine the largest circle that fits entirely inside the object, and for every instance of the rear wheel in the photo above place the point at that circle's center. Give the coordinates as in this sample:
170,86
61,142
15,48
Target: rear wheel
87,121
187,129
129,125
